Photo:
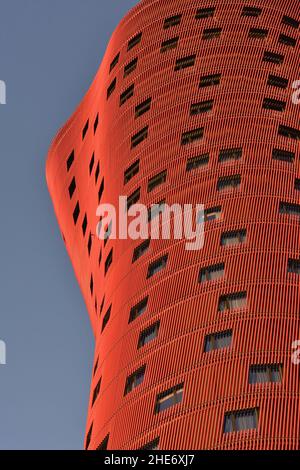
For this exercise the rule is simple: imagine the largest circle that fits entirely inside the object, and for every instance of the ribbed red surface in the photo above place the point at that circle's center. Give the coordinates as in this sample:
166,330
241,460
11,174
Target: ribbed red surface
215,383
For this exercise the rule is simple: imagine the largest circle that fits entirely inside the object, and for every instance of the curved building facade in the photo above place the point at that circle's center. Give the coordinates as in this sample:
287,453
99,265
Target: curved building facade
192,104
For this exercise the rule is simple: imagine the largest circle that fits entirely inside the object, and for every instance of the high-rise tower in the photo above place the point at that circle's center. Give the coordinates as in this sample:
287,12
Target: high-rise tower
192,104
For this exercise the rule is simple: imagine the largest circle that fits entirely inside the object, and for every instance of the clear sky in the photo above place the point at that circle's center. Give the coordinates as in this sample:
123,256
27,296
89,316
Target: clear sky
50,51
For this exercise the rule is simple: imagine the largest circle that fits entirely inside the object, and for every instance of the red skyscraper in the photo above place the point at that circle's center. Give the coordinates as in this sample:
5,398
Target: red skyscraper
192,104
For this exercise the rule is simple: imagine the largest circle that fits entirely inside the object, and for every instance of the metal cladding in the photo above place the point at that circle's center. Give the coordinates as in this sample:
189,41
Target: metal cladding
199,355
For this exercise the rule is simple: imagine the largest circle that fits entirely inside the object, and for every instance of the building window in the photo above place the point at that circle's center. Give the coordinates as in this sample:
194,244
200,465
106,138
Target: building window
102,304
191,136
91,166
133,198
129,68
114,62
211,33
234,301
72,188
156,209
169,398
293,266
273,58
208,215
97,172
85,129
289,208
111,88
131,171
210,80
157,266
212,273
230,154
197,162
70,160
235,237
185,62
258,33
278,82
288,21
96,392
289,132
172,21
96,366
108,261
84,225
148,335
169,44
241,420
134,380
264,373
157,180
205,13
106,319
153,445
107,233
275,105
297,184
143,108
221,340
202,107
251,11
134,41
228,182
96,123
101,190
139,137
138,309
126,95
90,243
91,285
140,250
89,437
76,213
287,40
104,443
283,155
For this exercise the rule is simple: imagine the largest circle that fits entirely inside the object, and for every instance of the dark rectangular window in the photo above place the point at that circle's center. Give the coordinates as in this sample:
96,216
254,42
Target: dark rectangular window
140,250
230,154
157,180
72,188
241,420
205,13
210,214
235,237
106,319
211,33
96,123
283,155
210,80
275,105
191,136
288,21
212,273
297,184
91,166
153,445
264,373
129,68
90,243
131,171
111,87
133,198
169,44
278,82
197,162
85,129
134,380
221,340
289,208
89,437
258,33
134,41
126,95
172,21
102,304
76,213
104,444
70,160
114,62
228,182
289,132
251,11
96,366
202,107
148,335
233,301
169,398
287,40
84,225
139,137
143,108
293,266
138,309
97,172
108,261
96,392
107,233
185,62
101,190
91,285
156,209
273,58
157,266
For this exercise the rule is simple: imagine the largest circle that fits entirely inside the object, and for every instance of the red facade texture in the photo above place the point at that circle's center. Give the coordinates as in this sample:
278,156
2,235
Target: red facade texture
225,67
